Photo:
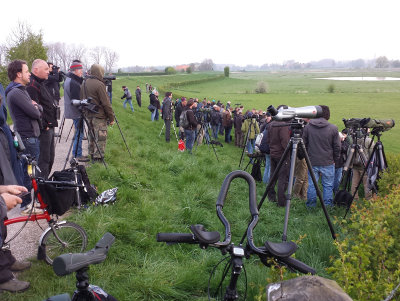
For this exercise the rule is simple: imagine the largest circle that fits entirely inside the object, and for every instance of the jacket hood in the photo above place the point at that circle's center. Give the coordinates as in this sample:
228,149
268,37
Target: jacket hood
11,86
97,71
319,122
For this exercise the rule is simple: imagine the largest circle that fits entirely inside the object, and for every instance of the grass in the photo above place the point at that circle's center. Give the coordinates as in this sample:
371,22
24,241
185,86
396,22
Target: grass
163,190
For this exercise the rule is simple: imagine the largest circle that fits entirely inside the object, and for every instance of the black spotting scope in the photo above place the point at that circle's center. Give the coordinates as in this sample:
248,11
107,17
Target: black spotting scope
68,263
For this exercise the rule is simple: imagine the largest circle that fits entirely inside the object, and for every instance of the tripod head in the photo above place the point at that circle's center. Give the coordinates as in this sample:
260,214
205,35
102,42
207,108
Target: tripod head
85,104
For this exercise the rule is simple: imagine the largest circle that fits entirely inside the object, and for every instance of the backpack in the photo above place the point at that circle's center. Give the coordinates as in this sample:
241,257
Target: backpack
183,120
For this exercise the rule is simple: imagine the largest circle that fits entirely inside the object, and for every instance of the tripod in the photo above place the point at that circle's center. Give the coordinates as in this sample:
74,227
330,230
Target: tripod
122,135
376,163
295,142
204,131
172,124
79,131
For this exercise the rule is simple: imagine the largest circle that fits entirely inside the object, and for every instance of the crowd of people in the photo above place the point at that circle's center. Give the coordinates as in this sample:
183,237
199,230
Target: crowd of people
326,146
33,103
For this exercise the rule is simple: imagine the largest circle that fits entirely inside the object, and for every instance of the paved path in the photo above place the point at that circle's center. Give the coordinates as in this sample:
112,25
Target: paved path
26,243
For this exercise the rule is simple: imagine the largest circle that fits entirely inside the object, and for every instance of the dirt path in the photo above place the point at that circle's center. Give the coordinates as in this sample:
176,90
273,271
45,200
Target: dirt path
26,243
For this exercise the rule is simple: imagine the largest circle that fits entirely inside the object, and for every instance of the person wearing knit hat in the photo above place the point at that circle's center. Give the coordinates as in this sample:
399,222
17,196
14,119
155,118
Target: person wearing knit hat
72,89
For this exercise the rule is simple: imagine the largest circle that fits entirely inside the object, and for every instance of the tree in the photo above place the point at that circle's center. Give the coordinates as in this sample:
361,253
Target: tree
25,45
110,58
189,70
382,62
96,54
226,71
170,70
206,65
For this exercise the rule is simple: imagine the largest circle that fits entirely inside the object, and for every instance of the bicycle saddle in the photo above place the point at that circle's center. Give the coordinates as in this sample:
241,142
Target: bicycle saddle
204,236
280,249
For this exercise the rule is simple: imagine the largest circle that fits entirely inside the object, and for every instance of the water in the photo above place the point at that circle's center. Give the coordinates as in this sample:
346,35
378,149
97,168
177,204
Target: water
366,78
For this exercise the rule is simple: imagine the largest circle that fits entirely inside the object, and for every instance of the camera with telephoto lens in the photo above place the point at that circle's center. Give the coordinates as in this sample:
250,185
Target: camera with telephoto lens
291,113
85,104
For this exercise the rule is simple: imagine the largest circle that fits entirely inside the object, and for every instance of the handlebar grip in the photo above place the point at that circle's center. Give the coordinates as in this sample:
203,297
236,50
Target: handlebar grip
298,265
176,238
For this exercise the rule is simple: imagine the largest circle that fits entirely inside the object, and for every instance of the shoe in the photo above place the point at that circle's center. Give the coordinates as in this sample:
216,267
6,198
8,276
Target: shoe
28,210
14,286
19,266
83,159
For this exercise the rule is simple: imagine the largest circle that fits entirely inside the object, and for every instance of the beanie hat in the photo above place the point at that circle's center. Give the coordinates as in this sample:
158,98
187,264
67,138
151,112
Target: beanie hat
76,65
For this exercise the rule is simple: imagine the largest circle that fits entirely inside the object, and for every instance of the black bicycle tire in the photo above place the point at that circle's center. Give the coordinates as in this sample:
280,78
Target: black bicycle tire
82,236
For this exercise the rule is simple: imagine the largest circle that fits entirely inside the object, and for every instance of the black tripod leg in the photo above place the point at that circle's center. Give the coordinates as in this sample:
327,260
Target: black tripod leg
290,188
244,146
122,135
76,132
66,139
309,166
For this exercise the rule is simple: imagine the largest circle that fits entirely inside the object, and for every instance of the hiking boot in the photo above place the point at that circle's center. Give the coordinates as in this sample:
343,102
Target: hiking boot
19,266
14,286
28,210
83,159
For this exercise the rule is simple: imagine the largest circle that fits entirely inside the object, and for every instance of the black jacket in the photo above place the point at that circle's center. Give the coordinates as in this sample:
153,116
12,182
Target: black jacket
322,142
154,101
215,117
178,112
166,109
190,117
39,92
26,116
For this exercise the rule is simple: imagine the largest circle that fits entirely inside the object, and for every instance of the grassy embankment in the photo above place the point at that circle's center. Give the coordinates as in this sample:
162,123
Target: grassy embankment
161,189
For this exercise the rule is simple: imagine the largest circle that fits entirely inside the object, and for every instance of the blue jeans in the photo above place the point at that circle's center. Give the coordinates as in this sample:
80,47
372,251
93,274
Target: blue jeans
267,169
154,115
129,100
77,147
251,144
214,129
110,96
338,178
32,147
228,135
189,134
327,174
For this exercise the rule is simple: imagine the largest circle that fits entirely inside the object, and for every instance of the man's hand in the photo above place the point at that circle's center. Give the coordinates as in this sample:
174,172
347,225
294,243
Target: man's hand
11,200
12,189
112,123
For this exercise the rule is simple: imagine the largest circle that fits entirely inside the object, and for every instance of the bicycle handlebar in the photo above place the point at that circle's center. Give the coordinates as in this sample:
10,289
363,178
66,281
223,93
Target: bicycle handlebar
67,263
252,189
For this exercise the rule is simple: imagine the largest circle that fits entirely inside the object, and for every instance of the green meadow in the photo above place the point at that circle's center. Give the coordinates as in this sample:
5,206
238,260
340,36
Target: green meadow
164,190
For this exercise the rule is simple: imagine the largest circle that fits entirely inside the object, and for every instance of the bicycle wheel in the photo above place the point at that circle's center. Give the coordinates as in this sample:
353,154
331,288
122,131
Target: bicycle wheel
71,239
219,280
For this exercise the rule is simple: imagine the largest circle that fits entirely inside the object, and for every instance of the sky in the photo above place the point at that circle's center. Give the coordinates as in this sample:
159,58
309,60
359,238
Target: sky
257,32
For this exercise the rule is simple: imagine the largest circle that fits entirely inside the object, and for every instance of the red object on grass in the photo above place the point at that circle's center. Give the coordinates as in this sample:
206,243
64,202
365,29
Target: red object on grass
181,145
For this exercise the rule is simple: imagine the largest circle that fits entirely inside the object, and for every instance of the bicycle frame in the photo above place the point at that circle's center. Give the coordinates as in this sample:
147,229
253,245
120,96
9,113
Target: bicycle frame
32,217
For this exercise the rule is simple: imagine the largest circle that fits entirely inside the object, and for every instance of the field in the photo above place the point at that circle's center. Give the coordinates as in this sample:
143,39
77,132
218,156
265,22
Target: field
163,190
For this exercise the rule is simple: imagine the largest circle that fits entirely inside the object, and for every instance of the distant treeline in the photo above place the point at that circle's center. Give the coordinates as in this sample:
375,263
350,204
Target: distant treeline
140,73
